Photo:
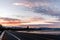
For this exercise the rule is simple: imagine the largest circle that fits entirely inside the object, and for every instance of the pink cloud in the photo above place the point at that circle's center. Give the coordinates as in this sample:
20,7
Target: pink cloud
32,4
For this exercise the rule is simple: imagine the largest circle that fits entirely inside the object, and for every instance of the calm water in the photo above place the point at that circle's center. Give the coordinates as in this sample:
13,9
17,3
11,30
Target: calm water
42,32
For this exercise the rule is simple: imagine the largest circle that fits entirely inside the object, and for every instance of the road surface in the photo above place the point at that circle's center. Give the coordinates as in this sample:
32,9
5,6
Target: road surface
12,35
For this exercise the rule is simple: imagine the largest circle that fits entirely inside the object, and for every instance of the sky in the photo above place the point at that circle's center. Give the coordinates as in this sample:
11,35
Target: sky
30,12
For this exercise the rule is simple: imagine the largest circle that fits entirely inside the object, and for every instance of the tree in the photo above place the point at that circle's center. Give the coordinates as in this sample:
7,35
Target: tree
27,27
1,26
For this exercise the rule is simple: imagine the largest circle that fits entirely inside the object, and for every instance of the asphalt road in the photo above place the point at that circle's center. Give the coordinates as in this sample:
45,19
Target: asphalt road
1,32
11,35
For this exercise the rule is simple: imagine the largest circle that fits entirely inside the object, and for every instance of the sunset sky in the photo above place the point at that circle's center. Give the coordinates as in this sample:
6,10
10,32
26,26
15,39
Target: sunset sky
30,12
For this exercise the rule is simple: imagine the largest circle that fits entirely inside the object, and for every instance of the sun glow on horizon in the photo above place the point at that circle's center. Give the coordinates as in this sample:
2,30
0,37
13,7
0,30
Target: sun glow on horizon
17,22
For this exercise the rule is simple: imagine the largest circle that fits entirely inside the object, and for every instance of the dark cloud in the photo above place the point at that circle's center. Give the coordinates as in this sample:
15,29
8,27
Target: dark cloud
41,6
45,6
39,0
46,11
43,0
40,10
35,0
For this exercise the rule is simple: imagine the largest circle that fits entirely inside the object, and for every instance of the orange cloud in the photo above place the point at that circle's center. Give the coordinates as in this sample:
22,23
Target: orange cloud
33,20
9,22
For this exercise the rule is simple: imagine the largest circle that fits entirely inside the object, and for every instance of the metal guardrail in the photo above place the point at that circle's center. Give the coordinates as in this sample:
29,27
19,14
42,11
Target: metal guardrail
1,36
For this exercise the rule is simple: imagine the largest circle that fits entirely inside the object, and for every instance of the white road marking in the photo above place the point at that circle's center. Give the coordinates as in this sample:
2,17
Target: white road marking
1,36
13,35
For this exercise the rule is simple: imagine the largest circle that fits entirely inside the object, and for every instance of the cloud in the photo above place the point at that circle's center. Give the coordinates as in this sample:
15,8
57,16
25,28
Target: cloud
9,22
39,20
46,11
31,3
47,7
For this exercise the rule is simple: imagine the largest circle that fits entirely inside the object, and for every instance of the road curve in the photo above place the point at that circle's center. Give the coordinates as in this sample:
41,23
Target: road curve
12,35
